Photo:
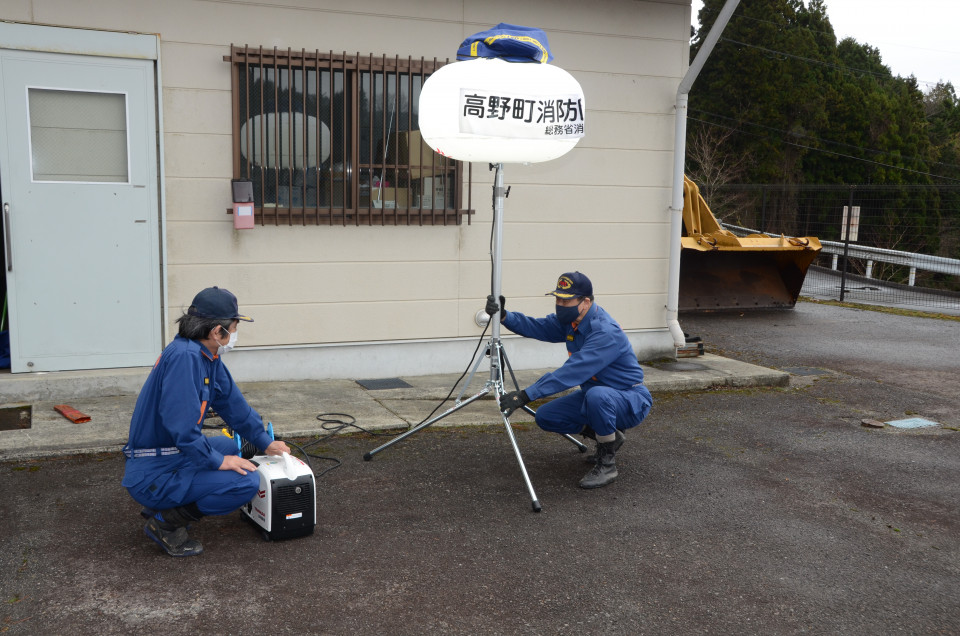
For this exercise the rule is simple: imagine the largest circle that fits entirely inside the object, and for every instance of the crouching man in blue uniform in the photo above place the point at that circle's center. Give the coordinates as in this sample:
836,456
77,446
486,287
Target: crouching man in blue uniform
611,398
173,470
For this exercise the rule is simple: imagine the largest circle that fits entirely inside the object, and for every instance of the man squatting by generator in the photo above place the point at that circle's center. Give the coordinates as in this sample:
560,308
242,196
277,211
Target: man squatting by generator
173,470
611,397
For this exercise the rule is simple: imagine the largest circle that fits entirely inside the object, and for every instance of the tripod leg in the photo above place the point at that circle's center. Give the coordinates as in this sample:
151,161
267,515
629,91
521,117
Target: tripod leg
580,446
369,455
473,371
535,503
506,363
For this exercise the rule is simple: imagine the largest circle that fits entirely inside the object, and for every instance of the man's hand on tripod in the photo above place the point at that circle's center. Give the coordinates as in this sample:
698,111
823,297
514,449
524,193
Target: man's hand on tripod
510,402
492,307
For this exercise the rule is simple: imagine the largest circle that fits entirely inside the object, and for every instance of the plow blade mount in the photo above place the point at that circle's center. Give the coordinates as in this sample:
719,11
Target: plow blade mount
722,271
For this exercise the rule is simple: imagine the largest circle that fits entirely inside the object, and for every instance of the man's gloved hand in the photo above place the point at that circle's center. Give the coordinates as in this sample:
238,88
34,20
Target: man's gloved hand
492,306
512,401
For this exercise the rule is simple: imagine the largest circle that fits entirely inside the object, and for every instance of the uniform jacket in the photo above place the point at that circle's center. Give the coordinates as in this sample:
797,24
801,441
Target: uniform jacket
599,353
185,382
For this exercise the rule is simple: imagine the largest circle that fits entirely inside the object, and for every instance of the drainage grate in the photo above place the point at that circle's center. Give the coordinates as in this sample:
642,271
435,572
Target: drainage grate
913,422
383,383
14,418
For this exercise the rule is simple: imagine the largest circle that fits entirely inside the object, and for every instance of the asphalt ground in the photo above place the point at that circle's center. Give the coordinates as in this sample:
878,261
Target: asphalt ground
749,511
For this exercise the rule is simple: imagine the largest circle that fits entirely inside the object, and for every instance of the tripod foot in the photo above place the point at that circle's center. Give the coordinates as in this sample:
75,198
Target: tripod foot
536,505
367,457
580,445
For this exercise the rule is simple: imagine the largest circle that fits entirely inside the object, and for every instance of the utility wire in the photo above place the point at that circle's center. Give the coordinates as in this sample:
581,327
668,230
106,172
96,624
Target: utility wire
811,60
818,139
830,152
834,34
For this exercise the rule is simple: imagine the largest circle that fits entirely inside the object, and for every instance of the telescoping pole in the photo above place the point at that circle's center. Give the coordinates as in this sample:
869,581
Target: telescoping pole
496,373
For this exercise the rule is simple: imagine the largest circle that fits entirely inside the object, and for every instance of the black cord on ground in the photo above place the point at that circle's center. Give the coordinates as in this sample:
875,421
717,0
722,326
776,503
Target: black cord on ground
307,456
334,423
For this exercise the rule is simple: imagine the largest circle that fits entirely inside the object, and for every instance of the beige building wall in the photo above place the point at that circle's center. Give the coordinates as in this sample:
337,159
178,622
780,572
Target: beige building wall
373,301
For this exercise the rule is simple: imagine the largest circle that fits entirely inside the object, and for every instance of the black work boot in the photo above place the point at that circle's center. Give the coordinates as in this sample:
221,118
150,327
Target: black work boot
617,443
168,529
605,470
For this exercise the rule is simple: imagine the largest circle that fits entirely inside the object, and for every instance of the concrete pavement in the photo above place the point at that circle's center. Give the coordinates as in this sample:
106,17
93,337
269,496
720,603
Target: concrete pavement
109,397
761,511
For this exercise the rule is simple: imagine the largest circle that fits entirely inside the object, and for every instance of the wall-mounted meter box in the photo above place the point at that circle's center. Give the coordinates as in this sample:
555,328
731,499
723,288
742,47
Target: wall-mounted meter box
242,204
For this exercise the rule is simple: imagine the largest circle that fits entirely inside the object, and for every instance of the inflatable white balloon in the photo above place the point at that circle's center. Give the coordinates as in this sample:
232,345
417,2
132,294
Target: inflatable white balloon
494,111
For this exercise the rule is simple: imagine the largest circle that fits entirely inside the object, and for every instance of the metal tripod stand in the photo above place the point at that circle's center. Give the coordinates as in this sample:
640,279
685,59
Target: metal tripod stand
494,350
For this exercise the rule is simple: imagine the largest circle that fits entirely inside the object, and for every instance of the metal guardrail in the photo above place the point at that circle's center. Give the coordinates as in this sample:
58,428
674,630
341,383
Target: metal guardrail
912,260
871,255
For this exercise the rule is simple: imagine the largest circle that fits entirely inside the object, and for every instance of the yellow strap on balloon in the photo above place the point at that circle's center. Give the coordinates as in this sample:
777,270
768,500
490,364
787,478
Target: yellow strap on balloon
521,38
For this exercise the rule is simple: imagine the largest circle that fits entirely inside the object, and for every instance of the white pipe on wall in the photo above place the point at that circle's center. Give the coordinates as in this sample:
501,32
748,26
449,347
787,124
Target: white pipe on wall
679,154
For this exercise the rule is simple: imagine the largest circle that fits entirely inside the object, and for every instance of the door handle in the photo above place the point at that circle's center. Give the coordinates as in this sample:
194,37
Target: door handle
6,236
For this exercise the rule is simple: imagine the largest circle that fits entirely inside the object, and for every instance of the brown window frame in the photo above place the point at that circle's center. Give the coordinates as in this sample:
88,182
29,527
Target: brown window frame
347,191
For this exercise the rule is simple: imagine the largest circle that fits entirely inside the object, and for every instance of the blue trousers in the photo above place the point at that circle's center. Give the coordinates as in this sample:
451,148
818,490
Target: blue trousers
178,483
600,407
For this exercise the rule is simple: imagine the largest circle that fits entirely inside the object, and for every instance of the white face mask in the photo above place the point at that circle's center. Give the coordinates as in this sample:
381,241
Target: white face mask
222,349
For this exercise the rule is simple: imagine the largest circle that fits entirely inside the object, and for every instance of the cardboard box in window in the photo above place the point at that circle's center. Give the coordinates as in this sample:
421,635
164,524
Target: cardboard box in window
389,198
408,149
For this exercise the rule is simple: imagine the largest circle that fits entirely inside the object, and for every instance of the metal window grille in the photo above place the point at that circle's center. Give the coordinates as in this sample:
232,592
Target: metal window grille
331,138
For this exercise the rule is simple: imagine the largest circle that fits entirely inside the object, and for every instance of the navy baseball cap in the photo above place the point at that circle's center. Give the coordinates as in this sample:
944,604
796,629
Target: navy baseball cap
218,304
572,284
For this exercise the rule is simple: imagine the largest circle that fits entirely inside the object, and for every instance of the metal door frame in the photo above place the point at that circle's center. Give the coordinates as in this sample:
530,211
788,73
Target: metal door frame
75,41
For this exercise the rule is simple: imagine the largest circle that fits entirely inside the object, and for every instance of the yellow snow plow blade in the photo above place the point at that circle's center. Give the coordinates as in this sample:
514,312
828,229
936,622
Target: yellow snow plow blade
719,270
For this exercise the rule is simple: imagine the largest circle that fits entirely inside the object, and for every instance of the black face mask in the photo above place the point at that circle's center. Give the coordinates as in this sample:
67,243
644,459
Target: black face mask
566,315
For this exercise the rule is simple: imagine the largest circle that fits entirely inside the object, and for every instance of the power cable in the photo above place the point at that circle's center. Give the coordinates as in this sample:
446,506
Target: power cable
334,423
830,152
836,35
817,139
811,60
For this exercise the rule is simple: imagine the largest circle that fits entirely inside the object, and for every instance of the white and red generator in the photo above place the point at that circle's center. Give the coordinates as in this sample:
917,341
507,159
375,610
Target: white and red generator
285,506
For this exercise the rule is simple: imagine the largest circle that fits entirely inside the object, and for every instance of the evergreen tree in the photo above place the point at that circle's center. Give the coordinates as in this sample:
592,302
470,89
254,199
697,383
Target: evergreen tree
807,109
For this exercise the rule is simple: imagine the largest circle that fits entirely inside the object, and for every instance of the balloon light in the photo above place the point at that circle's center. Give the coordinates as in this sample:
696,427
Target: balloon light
494,111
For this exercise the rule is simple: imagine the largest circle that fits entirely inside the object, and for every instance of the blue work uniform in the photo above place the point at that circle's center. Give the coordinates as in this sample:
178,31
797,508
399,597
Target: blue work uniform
601,361
170,461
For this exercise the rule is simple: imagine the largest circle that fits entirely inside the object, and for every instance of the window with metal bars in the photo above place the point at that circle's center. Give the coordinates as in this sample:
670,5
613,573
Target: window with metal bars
334,139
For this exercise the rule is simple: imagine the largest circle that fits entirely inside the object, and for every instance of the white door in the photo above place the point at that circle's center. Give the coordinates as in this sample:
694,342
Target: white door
78,178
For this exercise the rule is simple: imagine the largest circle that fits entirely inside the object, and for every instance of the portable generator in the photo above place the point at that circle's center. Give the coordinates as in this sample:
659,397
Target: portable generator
285,506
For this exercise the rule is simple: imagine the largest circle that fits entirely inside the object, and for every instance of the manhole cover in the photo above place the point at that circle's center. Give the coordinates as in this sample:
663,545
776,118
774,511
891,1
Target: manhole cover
682,366
806,371
13,418
913,422
383,383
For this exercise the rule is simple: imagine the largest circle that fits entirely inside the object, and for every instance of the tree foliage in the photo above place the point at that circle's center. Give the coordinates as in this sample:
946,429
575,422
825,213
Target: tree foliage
804,108
809,109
